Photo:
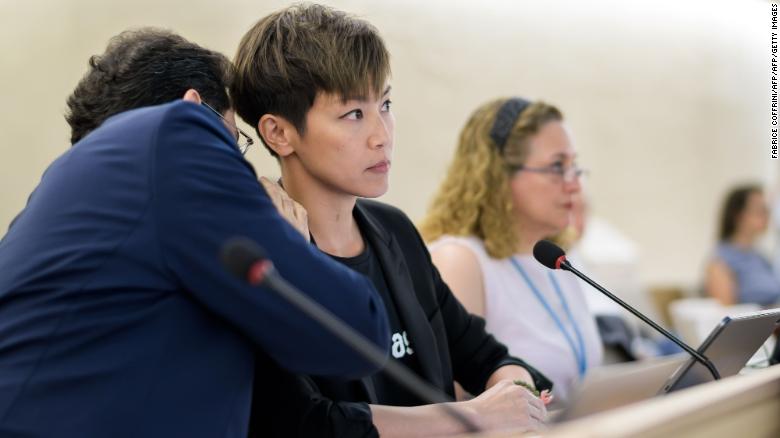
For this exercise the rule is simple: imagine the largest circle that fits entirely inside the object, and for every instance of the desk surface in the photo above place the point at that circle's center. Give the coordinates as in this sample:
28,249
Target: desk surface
739,406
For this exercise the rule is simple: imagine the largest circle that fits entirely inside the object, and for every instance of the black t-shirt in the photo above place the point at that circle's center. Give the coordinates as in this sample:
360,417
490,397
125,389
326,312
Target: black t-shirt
388,391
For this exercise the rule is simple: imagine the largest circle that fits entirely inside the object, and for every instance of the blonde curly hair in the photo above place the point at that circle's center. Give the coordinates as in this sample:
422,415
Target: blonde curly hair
475,198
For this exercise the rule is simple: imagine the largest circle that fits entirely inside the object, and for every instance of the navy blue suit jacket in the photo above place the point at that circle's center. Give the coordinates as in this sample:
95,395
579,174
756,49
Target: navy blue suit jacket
116,317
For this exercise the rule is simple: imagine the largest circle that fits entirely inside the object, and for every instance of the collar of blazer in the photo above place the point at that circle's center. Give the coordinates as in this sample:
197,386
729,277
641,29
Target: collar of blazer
401,287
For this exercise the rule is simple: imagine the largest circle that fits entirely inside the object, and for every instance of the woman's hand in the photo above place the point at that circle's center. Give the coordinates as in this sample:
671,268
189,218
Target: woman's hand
292,211
507,406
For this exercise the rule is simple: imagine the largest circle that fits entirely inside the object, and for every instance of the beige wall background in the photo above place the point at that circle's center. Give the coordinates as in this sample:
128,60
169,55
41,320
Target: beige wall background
668,100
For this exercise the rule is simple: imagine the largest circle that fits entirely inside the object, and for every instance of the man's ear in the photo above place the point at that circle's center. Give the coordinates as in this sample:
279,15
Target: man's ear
193,96
279,134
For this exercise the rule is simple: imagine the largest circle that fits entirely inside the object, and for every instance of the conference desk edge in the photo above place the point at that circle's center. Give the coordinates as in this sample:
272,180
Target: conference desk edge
743,406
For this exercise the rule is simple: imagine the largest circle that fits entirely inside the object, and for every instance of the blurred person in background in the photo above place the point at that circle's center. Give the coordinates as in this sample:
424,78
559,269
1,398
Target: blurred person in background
738,273
611,258
512,183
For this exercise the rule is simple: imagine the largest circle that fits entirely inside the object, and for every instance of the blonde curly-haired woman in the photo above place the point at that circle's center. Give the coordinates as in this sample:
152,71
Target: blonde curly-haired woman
511,184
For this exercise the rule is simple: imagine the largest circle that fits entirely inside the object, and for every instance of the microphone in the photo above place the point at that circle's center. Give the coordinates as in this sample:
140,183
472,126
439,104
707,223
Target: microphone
246,260
553,257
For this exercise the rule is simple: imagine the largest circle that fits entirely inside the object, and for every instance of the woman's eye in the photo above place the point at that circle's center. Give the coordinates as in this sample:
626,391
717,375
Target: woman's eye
386,105
353,115
558,167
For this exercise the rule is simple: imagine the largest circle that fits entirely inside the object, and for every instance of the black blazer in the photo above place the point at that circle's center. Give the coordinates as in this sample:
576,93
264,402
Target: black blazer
450,343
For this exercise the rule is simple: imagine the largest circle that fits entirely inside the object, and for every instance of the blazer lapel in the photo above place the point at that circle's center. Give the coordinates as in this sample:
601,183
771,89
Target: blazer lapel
399,282
367,387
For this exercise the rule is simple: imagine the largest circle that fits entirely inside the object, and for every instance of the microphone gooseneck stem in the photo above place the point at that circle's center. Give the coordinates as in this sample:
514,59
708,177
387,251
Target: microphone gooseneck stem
703,360
368,350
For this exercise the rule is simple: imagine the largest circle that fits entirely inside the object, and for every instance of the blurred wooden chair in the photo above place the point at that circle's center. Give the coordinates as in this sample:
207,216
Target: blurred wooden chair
662,297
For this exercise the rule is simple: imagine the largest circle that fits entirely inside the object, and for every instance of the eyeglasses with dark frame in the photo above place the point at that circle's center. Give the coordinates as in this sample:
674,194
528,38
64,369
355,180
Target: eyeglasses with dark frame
566,174
243,140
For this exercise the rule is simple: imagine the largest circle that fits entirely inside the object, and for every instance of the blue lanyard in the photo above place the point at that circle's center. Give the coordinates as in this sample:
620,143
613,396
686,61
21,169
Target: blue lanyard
579,353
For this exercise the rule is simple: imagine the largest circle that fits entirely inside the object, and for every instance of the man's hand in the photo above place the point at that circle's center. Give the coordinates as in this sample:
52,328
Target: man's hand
292,211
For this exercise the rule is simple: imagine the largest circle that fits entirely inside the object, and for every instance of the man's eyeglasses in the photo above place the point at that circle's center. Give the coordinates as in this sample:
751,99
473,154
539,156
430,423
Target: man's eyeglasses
243,140
567,174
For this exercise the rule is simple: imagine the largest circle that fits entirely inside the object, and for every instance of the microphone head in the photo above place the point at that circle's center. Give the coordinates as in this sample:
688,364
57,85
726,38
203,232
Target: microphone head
239,255
549,254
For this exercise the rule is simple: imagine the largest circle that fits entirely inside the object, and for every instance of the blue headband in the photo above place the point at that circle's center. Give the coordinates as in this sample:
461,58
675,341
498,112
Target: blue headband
505,119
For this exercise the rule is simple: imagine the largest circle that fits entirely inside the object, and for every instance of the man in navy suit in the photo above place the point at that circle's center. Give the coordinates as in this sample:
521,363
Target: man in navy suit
116,318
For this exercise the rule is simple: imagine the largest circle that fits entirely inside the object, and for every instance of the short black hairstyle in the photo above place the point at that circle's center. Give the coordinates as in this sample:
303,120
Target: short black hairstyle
289,56
143,67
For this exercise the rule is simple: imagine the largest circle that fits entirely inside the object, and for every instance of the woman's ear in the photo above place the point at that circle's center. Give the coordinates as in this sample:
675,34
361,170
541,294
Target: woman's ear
278,133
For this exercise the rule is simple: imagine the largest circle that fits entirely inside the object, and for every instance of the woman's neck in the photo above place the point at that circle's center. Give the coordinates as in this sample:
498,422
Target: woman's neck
527,238
525,244
529,232
743,240
329,212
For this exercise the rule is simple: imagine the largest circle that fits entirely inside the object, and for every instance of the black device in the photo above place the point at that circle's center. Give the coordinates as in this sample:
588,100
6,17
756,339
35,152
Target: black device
730,345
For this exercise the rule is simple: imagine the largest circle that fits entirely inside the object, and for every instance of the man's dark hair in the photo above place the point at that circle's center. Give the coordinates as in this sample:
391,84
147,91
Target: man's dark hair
146,67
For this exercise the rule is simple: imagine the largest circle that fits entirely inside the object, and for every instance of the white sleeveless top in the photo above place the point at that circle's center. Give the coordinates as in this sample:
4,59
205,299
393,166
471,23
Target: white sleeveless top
517,318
